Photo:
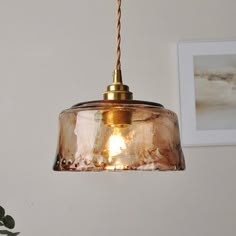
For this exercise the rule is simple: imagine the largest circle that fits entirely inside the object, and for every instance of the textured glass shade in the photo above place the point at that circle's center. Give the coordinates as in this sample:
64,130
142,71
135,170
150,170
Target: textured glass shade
118,135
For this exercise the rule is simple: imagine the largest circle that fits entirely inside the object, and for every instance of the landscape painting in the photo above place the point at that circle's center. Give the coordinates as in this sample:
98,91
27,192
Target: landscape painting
215,91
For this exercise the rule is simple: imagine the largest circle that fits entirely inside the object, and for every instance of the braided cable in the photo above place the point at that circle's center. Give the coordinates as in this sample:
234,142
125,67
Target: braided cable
118,36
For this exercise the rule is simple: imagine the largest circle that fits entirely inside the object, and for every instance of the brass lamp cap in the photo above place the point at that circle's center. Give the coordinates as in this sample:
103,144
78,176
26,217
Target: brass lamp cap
117,90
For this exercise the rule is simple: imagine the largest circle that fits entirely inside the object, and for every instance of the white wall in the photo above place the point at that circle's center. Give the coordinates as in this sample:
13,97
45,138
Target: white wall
51,51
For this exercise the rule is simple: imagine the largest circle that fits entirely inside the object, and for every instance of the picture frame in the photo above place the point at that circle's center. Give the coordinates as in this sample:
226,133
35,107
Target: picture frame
207,77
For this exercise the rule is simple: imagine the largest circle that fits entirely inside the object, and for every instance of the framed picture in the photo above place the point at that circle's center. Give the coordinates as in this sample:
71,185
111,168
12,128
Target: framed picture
207,75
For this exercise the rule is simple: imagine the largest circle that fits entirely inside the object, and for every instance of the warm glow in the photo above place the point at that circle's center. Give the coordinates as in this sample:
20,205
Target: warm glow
116,144
116,166
119,166
110,167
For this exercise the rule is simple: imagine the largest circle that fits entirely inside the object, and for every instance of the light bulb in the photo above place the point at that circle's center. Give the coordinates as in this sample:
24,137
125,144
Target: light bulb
116,143
116,147
111,146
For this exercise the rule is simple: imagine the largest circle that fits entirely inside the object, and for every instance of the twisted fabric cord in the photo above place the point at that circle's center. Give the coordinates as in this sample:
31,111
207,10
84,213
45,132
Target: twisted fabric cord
118,36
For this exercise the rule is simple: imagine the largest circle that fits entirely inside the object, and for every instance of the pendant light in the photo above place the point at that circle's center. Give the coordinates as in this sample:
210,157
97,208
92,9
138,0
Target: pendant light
118,133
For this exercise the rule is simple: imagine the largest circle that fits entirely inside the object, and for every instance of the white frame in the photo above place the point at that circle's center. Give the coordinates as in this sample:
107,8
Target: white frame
189,134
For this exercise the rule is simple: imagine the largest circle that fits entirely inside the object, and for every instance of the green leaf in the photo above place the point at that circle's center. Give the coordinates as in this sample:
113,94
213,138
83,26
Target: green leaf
2,213
13,234
8,233
9,222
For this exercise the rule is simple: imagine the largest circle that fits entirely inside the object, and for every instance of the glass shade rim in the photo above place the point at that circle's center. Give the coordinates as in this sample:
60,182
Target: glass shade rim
98,103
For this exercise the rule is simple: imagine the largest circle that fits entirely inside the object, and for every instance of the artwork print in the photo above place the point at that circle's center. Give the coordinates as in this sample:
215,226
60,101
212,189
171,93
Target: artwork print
207,76
215,91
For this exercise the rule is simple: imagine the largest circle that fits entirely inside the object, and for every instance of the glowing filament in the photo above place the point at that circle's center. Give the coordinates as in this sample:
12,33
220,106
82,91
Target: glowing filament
116,144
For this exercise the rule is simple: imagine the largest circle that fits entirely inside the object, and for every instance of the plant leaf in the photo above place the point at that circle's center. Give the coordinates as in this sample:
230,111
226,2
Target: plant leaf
2,212
8,233
13,234
9,222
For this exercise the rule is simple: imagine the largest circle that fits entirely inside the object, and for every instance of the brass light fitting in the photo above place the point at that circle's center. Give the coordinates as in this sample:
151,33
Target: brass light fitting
117,90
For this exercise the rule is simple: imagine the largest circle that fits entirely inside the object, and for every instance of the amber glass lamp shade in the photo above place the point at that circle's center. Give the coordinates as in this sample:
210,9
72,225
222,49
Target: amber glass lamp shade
118,135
